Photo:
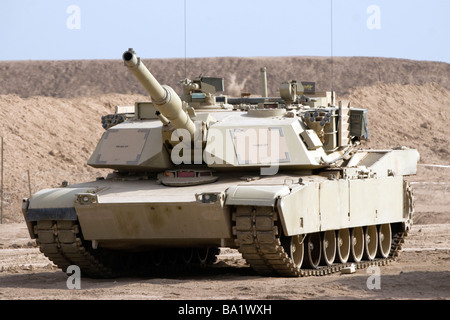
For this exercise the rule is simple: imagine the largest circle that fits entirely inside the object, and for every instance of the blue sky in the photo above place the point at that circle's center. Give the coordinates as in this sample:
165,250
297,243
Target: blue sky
103,29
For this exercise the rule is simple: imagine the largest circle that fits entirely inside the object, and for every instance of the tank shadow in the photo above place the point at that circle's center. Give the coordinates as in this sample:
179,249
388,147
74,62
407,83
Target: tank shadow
57,279
406,285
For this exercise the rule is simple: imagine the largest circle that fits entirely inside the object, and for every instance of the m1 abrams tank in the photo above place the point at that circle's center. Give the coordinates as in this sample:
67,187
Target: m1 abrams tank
282,179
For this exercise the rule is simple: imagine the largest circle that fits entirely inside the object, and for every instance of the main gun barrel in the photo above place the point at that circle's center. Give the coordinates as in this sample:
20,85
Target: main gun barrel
164,97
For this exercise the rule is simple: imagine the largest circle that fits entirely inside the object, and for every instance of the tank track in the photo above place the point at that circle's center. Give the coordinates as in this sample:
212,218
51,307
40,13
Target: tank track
61,241
258,237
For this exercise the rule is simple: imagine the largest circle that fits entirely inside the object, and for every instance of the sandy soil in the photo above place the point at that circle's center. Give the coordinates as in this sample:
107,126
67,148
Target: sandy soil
48,140
422,271
81,78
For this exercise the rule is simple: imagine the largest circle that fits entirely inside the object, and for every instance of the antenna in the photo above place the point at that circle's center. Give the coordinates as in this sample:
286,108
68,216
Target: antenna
331,49
185,41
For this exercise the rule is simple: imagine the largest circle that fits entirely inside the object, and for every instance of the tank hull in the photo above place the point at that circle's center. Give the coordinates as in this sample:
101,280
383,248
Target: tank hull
130,216
145,210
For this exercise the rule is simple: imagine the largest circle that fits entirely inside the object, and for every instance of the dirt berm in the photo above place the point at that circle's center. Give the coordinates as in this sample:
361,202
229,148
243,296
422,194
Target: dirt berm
50,123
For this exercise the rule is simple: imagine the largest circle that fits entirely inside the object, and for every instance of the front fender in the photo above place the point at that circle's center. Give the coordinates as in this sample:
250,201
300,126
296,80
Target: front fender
53,204
255,195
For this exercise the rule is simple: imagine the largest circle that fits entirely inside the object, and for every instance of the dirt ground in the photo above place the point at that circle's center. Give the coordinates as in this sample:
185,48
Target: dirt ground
422,270
50,132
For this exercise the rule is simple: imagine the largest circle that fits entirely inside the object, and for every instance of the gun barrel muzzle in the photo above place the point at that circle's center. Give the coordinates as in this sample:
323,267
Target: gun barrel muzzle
163,97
